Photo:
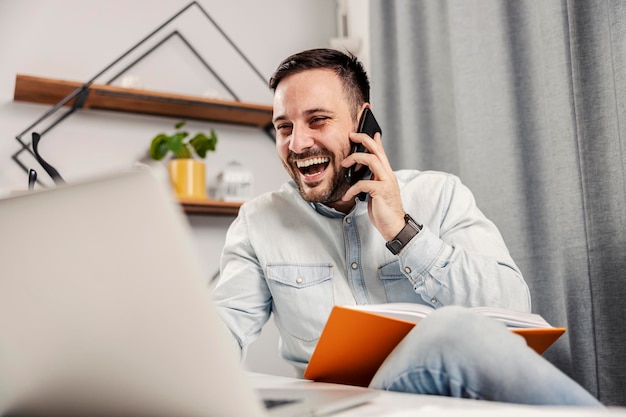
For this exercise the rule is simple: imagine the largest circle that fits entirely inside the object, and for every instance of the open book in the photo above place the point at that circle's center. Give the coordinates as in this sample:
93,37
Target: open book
357,339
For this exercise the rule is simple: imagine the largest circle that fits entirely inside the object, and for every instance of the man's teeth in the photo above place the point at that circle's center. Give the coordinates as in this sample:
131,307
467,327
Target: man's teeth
312,161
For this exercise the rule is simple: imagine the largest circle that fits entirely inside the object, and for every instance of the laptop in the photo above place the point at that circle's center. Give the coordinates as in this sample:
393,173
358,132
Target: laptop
104,311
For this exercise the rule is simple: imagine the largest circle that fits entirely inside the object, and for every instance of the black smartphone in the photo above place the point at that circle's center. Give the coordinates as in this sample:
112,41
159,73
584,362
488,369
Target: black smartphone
368,125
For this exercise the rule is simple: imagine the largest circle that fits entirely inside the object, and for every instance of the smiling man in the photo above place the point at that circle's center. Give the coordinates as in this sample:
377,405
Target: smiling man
418,237
314,159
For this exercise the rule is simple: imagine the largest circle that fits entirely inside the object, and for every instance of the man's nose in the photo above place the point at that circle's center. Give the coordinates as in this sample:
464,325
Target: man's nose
301,139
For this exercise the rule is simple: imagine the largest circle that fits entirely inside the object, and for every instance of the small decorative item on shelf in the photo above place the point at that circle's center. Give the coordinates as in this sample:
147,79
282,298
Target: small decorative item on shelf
234,183
131,81
187,174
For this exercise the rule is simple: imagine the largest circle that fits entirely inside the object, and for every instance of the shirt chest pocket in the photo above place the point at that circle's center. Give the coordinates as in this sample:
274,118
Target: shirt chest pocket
397,286
303,297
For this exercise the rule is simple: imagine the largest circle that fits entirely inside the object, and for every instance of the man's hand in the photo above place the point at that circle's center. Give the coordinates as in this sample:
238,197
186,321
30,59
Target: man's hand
385,206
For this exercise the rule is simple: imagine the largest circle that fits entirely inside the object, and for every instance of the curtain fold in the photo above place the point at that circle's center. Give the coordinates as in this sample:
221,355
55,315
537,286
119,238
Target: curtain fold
526,101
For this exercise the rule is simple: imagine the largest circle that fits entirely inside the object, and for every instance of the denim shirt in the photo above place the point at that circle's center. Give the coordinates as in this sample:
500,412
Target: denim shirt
297,260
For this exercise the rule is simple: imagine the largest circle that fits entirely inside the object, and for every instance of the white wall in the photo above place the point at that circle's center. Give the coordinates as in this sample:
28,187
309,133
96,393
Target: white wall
75,39
353,28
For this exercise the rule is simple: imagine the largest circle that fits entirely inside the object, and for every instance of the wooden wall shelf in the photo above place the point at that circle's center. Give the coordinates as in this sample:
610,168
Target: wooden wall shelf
214,207
106,97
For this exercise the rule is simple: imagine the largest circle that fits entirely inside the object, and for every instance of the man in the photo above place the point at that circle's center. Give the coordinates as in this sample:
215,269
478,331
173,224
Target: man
299,251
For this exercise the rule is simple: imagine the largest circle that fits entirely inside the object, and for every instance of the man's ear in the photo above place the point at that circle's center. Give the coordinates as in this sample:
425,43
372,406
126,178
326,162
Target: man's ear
360,113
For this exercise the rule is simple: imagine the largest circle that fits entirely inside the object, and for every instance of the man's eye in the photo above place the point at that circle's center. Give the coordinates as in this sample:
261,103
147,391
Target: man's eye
283,127
318,120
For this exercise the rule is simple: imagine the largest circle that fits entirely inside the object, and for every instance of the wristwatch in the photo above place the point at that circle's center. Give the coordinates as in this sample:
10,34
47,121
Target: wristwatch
408,232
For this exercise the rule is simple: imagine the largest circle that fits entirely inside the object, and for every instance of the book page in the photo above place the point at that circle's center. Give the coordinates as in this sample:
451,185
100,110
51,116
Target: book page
415,312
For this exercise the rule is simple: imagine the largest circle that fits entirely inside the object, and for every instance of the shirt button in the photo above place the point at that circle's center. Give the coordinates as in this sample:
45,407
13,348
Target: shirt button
407,269
434,301
348,220
354,265
299,280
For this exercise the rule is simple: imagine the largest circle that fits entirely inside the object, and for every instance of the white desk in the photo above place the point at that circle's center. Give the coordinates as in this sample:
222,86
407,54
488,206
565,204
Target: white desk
392,404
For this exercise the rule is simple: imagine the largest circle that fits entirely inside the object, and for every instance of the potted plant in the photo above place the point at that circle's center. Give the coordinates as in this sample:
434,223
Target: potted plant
187,173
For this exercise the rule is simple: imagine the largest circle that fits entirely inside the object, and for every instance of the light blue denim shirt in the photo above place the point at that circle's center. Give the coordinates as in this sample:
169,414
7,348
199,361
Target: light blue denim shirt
296,260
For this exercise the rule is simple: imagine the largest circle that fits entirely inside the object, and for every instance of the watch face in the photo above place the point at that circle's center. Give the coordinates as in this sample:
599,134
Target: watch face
408,232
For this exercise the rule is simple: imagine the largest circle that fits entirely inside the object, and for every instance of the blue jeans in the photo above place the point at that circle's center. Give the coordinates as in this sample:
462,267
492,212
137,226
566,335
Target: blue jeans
458,353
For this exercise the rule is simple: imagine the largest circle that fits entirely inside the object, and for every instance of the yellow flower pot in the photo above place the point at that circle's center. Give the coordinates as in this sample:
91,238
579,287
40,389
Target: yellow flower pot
188,178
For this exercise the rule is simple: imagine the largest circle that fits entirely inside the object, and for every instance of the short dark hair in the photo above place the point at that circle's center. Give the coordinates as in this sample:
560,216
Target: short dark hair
346,66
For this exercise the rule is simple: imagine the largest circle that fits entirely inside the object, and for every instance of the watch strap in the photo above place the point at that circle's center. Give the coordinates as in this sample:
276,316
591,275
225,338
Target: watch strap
409,231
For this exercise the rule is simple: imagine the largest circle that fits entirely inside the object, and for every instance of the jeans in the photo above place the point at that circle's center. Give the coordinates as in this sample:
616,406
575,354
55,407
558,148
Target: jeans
459,353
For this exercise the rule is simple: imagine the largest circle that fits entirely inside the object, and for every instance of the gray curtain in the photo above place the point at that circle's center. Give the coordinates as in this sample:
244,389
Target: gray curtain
525,100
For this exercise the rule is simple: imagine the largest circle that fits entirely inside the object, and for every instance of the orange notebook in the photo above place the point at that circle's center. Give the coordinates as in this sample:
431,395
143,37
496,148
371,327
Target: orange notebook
357,339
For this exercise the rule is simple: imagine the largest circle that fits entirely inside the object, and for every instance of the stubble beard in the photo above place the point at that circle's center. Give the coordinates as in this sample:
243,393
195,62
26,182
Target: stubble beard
317,194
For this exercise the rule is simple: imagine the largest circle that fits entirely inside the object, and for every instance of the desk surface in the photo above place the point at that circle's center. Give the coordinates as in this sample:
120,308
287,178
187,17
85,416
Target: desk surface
393,404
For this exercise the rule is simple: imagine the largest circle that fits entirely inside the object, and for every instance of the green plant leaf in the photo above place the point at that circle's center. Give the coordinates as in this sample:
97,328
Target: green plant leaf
177,146
203,143
159,147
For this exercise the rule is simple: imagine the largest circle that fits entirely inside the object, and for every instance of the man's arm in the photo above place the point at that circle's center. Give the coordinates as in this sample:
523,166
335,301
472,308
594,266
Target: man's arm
462,259
241,294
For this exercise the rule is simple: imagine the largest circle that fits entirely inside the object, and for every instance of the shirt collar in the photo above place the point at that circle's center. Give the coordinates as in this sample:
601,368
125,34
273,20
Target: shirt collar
324,210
